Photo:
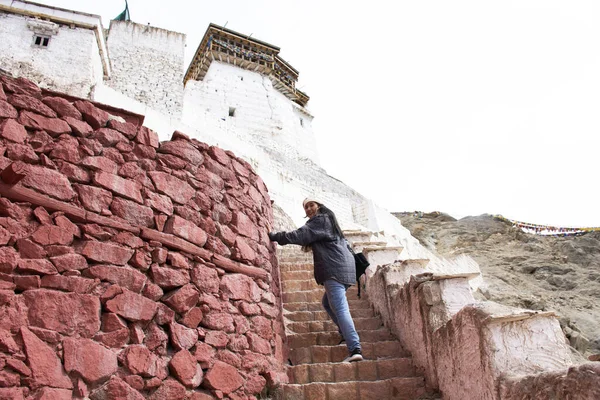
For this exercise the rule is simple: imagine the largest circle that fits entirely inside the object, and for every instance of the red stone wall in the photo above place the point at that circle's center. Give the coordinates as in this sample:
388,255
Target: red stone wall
129,268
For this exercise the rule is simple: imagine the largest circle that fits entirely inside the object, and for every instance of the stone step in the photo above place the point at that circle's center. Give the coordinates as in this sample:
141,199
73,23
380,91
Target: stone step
325,354
321,315
315,295
366,370
316,305
308,284
409,388
296,266
297,340
296,275
329,326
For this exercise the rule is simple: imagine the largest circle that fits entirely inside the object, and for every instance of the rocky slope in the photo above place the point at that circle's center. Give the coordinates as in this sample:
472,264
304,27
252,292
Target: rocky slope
525,270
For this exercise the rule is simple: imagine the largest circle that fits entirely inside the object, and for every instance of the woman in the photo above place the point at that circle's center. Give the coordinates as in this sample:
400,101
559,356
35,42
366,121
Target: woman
334,267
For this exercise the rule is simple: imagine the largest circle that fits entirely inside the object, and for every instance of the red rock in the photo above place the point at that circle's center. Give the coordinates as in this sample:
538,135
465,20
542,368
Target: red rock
183,299
218,321
215,245
4,236
112,322
66,224
69,262
240,287
13,131
109,253
133,213
262,326
152,291
177,260
109,137
155,338
94,116
80,128
147,137
255,384
200,396
115,339
192,318
45,366
152,383
121,186
245,226
248,309
62,107
204,354
226,234
242,251
132,307
164,315
21,152
116,389
179,191
92,147
144,152
169,389
7,110
216,168
73,172
66,313
223,377
210,178
230,358
27,282
48,393
42,215
186,369
238,343
128,239
6,285
141,260
52,126
135,381
110,293
100,163
219,155
140,361
130,170
81,389
19,366
182,337
40,266
160,255
7,343
184,150
126,128
136,334
67,150
269,311
8,260
170,161
168,278
159,202
49,182
93,198
93,362
205,278
125,277
180,227
2,94
221,214
29,103
240,168
258,344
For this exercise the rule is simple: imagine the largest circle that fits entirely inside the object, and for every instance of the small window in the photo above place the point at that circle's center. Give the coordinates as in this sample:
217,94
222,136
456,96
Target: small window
301,122
232,111
41,41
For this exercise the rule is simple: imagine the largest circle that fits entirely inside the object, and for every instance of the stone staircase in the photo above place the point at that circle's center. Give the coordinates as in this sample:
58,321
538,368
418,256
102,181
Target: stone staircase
317,371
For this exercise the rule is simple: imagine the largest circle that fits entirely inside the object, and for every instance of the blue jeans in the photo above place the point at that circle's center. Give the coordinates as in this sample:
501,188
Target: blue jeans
336,304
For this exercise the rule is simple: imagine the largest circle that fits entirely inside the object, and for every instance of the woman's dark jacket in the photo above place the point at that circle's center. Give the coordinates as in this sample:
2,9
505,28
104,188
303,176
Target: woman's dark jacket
331,256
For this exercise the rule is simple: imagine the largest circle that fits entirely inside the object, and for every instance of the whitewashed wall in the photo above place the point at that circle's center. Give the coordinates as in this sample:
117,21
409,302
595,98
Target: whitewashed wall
147,65
71,63
262,116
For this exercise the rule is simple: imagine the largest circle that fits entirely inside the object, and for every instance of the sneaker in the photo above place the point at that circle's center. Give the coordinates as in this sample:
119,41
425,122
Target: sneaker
356,355
342,340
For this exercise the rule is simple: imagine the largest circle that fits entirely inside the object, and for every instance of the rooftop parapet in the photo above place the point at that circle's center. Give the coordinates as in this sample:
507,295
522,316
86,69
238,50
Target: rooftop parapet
228,46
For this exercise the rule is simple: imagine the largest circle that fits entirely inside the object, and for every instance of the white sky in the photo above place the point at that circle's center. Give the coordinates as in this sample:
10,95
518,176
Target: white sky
465,107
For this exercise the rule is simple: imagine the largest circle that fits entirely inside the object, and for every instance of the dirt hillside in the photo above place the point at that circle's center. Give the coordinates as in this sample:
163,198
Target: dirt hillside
524,270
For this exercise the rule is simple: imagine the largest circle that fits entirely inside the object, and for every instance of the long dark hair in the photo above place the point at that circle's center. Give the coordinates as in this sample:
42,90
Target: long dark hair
336,227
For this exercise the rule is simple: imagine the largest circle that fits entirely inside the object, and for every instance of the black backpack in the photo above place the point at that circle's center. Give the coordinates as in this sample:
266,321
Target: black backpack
361,265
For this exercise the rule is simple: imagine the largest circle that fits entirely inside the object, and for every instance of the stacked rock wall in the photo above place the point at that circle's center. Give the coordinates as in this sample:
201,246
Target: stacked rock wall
129,268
